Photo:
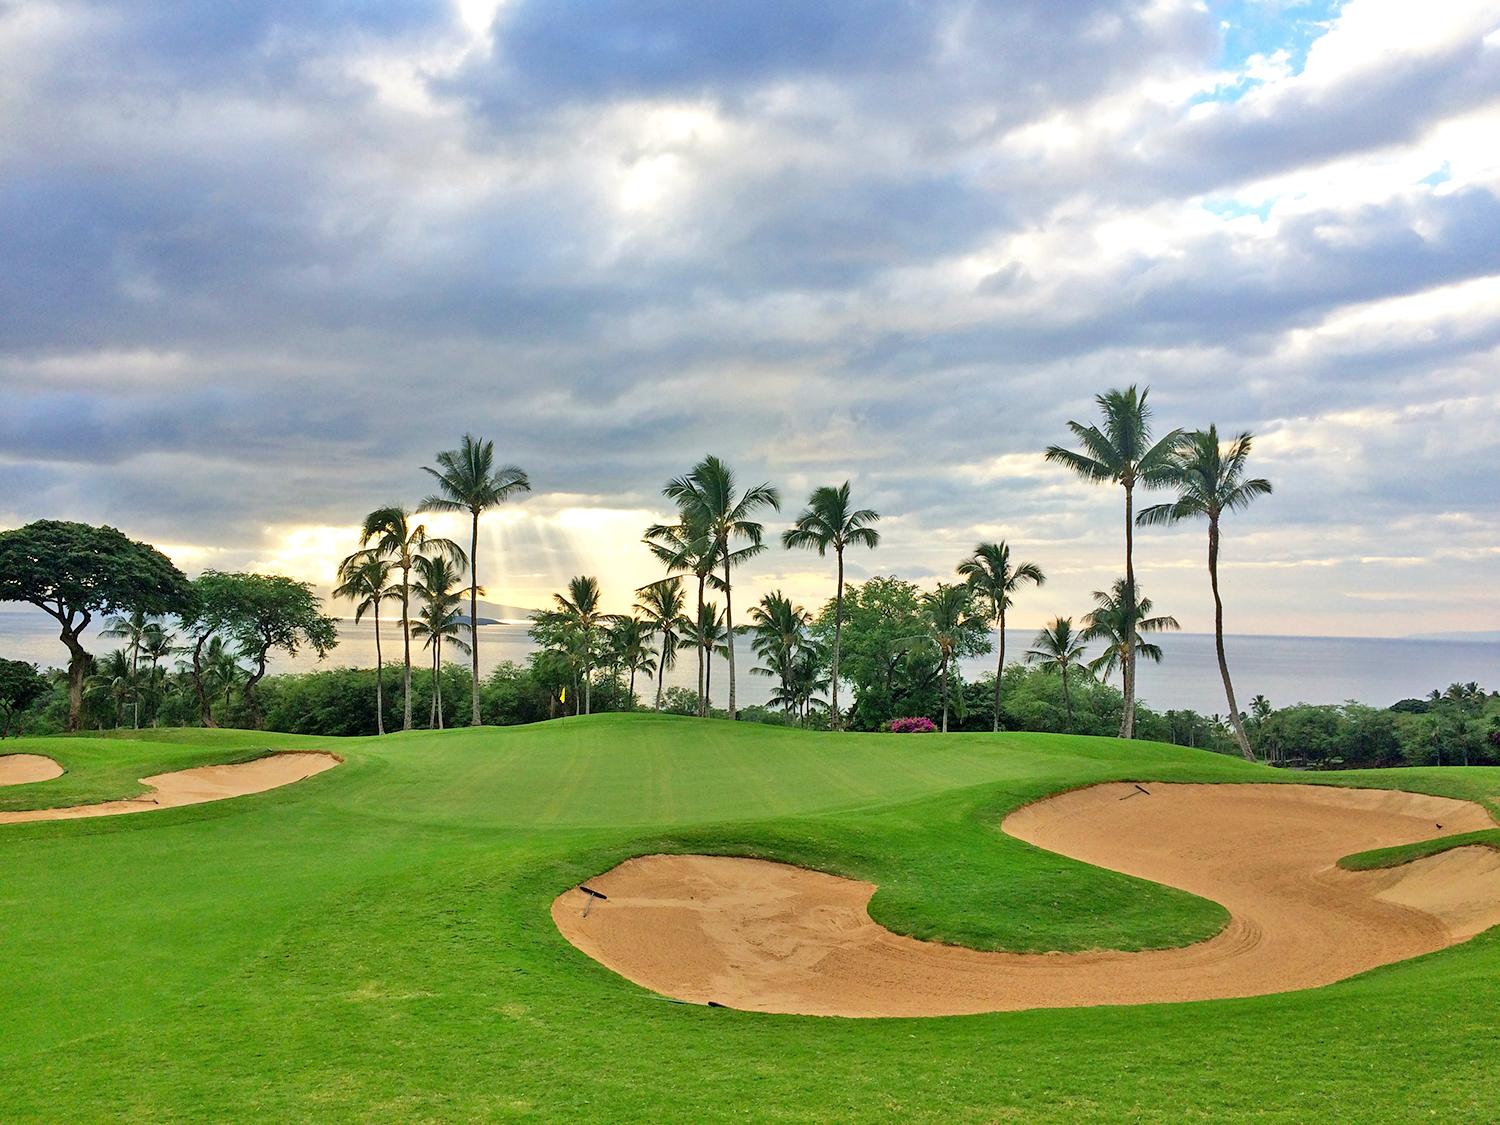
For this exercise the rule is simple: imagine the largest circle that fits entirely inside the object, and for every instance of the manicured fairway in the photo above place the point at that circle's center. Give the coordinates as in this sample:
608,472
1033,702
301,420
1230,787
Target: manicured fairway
375,943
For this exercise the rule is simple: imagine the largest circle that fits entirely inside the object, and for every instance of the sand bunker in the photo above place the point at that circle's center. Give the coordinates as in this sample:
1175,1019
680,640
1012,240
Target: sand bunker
22,769
195,786
768,937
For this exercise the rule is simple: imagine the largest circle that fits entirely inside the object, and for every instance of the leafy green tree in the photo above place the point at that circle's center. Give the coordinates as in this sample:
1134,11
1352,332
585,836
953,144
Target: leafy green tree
831,521
215,617
1106,622
1210,479
890,675
468,481
72,571
1060,647
954,630
994,579
1121,452
685,547
365,580
663,603
21,685
277,613
390,534
709,497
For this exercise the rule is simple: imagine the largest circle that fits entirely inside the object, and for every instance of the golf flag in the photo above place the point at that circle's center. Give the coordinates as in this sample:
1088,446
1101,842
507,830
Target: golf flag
563,697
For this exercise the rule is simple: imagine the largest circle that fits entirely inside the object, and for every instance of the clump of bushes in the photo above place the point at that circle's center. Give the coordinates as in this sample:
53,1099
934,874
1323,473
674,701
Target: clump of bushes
915,725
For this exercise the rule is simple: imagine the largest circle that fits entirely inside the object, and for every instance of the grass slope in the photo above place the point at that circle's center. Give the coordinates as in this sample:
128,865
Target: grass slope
374,943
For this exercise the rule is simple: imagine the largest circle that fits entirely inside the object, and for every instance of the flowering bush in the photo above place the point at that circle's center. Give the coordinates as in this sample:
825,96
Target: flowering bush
912,726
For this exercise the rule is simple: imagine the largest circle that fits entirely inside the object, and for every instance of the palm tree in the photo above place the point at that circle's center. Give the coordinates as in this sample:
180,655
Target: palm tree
995,579
1210,480
1106,622
364,578
222,668
807,678
709,497
469,482
579,609
780,629
439,620
113,683
131,630
663,603
630,648
828,521
157,644
712,639
389,534
685,547
1122,453
954,629
1060,647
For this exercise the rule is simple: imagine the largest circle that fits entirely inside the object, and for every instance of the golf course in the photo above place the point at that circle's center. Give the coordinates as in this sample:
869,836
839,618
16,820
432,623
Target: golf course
393,929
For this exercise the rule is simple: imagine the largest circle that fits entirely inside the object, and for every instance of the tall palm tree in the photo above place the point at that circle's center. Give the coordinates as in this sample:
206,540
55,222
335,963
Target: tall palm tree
439,621
1106,622
663,603
709,497
630,648
954,629
995,579
830,521
807,678
780,629
113,683
686,547
1210,479
1062,648
1121,452
132,630
469,482
580,609
364,578
389,534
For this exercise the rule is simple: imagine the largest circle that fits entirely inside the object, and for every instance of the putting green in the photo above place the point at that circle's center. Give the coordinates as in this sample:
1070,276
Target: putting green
375,942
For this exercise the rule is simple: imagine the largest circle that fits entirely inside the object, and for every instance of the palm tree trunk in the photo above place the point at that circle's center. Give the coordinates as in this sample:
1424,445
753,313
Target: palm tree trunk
838,636
632,687
379,674
406,647
661,666
205,708
432,703
474,615
729,630
1067,699
708,684
702,663
945,693
999,669
1213,579
1127,671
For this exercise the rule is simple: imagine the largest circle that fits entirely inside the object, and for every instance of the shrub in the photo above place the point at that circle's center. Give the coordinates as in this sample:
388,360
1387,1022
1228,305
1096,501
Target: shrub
912,726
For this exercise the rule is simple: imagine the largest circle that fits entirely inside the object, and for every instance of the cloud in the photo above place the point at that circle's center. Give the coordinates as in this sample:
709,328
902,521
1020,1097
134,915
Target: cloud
261,264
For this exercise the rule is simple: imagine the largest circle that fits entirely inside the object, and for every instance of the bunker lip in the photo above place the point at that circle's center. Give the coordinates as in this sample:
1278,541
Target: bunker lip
769,937
23,769
197,786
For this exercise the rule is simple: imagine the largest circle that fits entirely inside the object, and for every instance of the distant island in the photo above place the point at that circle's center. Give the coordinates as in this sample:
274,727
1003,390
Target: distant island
1473,636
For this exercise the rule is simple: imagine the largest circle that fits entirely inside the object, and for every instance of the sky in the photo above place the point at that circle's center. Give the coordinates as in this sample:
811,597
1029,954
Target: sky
263,260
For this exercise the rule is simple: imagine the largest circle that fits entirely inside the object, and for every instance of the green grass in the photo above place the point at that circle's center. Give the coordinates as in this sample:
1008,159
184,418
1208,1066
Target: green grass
374,943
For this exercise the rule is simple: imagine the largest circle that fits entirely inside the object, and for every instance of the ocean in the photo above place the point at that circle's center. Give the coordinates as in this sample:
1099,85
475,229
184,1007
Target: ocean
1286,670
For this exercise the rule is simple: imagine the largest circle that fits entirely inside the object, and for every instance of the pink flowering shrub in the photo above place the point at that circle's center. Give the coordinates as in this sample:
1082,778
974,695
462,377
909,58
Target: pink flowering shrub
912,726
